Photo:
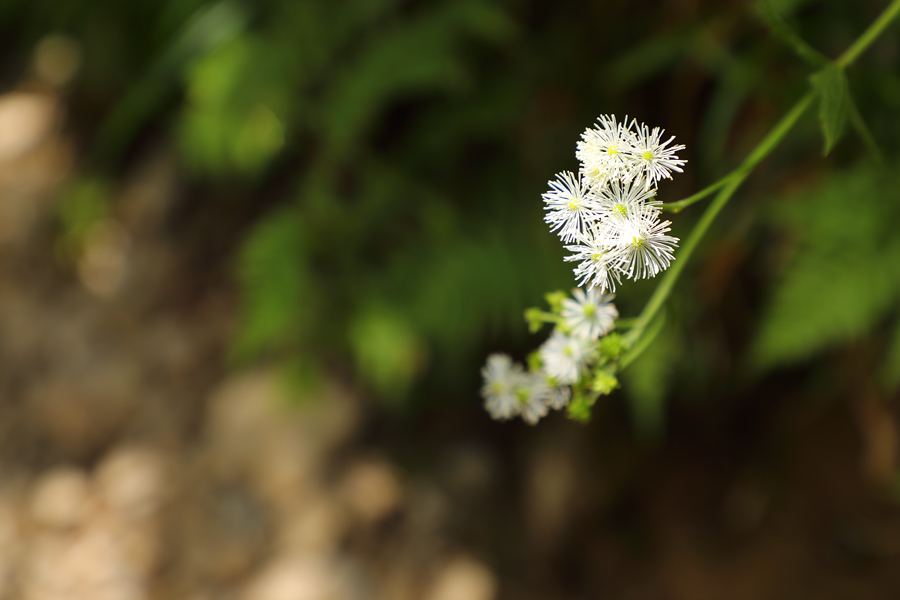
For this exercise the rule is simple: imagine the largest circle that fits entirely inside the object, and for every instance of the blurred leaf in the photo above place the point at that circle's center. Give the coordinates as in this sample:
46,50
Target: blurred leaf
845,276
831,86
647,380
387,351
862,129
787,35
649,57
210,26
276,285
231,123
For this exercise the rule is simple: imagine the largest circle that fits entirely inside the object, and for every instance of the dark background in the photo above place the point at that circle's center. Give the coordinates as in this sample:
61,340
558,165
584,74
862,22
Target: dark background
254,254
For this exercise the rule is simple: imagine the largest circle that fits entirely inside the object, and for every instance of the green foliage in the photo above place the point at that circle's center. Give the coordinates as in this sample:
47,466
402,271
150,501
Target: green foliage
844,276
647,381
279,297
387,351
830,84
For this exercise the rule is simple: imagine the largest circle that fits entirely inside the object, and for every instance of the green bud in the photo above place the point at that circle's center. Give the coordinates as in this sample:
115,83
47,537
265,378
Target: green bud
554,299
535,319
612,346
604,383
535,363
579,408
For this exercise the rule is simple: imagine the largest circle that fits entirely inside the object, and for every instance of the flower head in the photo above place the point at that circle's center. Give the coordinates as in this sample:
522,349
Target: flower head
570,204
565,357
589,315
502,381
596,257
605,150
653,158
645,249
533,398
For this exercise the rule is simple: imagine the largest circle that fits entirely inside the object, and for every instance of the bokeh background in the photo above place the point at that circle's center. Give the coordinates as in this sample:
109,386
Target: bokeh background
254,254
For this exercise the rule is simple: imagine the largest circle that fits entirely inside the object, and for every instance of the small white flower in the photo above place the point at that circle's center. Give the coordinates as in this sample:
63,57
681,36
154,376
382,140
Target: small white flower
597,255
654,159
533,398
565,357
502,382
590,314
623,199
555,396
605,150
645,248
570,205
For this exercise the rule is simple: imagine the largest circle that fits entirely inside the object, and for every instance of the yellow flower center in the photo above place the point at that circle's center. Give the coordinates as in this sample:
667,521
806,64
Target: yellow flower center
648,155
637,242
620,208
612,150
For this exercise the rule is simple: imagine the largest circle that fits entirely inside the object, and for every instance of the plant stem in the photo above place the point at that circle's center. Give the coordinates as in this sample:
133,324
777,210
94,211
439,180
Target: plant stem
680,205
869,35
731,182
734,181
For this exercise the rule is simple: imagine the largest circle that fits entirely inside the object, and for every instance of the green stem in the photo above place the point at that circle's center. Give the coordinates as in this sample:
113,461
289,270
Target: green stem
680,205
869,35
768,143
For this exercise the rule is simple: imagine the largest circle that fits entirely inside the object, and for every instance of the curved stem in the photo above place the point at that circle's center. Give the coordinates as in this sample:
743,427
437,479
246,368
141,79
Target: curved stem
768,143
680,205
869,35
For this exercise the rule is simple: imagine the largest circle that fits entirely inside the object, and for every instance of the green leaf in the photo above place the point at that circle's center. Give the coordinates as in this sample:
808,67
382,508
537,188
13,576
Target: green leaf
275,282
387,349
781,30
646,381
843,278
834,103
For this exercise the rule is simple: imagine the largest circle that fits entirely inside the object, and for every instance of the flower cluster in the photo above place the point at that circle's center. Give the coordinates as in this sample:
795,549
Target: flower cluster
607,214
563,361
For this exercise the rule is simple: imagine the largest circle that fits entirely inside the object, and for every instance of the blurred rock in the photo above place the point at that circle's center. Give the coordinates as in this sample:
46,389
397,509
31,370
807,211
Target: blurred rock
132,480
254,431
26,120
550,495
103,263
371,489
463,579
315,527
57,59
303,578
62,498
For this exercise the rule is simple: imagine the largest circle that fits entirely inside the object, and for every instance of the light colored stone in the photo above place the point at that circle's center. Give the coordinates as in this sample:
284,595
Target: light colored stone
463,578
62,498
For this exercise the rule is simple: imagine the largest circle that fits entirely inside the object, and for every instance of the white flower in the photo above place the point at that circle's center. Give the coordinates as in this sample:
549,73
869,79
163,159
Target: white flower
533,398
555,396
605,150
645,249
590,314
570,205
653,159
597,255
622,199
565,357
502,382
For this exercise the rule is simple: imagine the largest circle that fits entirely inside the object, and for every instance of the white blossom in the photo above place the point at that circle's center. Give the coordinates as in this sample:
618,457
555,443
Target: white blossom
605,150
502,382
645,249
565,357
589,315
570,204
653,158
